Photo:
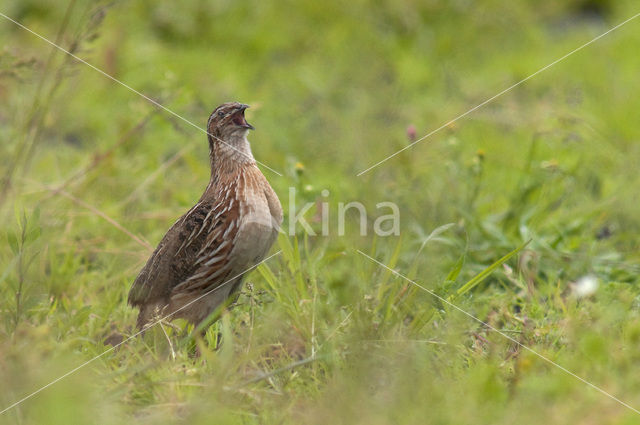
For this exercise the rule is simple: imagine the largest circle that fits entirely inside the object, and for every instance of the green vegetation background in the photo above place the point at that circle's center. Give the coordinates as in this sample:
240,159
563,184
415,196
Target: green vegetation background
93,174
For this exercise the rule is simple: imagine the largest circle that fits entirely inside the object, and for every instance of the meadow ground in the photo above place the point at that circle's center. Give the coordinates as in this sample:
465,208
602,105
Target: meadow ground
93,174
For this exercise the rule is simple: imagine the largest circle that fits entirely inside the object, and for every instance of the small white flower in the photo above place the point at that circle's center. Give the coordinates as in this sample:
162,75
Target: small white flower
585,286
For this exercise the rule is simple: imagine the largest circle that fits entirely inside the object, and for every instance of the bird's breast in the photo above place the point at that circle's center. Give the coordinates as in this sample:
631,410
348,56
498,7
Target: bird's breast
256,228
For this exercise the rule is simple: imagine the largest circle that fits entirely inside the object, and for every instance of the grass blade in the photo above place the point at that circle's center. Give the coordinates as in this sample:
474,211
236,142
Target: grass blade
486,272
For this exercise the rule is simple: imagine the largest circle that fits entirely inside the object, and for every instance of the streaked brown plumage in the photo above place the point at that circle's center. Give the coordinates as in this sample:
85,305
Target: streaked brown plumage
229,230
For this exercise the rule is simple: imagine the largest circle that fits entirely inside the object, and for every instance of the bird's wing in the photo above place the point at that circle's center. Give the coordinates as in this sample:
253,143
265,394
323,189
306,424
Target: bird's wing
201,238
212,262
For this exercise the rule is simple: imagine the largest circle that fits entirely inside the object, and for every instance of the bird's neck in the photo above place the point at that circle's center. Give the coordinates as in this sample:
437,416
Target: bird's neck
229,157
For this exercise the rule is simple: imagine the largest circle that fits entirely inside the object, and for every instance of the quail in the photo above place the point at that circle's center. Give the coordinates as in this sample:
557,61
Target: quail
200,263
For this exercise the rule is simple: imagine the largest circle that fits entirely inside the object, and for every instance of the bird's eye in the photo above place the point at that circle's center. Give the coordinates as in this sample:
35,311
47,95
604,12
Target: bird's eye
221,114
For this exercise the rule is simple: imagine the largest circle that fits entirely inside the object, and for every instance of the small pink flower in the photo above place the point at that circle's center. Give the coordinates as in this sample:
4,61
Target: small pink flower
411,133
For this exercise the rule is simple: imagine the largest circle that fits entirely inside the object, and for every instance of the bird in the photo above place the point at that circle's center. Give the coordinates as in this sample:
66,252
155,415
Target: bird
200,263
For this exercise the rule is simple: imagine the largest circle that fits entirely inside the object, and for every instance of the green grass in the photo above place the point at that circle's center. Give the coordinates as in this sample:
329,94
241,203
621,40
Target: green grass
93,175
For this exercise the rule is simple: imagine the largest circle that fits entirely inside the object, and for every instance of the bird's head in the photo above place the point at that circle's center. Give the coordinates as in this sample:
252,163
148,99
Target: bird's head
227,121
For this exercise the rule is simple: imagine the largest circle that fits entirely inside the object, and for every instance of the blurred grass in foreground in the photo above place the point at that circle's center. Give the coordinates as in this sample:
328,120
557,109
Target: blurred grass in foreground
92,175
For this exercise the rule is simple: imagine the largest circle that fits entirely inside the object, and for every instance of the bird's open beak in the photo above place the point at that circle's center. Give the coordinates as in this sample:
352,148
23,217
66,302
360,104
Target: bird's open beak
238,118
